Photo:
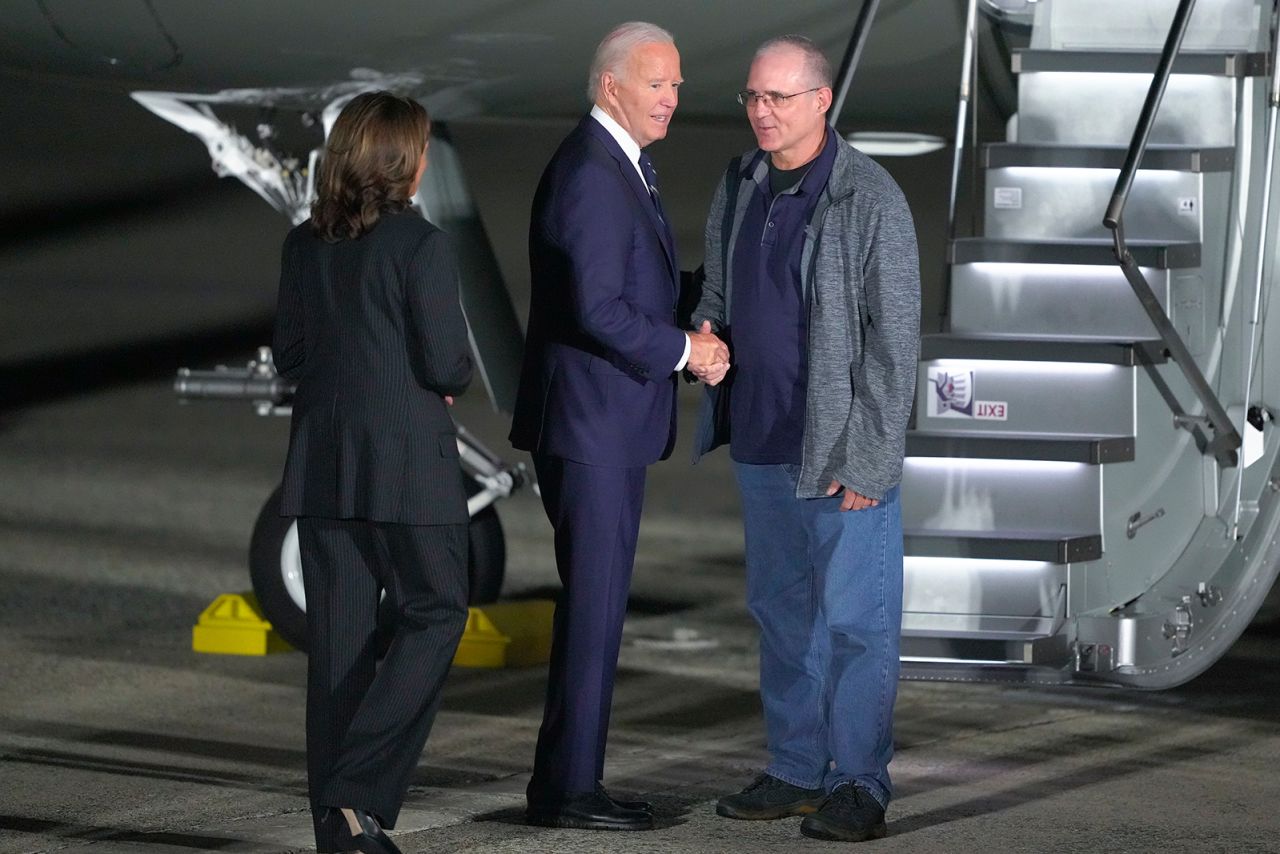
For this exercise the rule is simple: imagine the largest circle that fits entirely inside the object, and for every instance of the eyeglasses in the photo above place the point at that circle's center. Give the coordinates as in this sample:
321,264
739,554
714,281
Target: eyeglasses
749,98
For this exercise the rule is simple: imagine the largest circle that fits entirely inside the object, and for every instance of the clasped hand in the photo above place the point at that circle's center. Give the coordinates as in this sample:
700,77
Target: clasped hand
708,355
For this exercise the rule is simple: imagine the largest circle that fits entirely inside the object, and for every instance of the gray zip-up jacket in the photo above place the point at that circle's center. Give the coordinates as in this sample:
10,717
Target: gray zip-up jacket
861,279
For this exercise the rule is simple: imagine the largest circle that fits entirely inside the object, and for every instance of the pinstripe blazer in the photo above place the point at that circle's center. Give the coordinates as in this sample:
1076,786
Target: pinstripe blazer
373,333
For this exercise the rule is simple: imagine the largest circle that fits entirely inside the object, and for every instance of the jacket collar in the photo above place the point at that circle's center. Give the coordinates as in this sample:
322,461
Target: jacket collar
629,146
842,182
631,174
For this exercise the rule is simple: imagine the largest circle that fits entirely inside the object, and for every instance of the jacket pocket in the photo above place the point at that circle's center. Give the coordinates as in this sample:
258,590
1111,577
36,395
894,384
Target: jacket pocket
448,445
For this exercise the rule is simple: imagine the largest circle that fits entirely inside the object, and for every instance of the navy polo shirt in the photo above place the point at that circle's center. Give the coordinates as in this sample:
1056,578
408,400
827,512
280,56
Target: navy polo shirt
769,332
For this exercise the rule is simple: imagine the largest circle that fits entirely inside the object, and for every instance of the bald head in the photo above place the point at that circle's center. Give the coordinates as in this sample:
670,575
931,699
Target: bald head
789,88
814,67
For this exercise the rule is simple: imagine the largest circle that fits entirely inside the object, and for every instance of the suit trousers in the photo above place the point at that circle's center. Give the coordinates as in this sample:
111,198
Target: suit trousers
367,721
595,512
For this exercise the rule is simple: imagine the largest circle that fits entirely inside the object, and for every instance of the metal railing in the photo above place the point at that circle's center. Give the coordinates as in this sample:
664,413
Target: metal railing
964,103
968,73
852,53
1264,216
1226,439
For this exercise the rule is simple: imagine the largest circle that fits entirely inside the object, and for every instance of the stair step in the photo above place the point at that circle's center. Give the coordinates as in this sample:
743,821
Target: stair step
1124,353
970,495
1100,108
1174,158
974,599
1213,63
1143,25
964,601
1019,396
1058,301
1021,446
971,630
976,661
1160,255
1044,546
1063,203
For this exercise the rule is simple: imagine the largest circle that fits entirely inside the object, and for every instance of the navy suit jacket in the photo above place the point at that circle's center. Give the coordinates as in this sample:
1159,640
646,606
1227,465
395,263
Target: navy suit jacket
598,383
373,332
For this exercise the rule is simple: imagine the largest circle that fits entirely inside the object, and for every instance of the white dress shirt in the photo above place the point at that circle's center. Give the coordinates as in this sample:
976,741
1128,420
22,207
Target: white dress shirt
629,146
632,149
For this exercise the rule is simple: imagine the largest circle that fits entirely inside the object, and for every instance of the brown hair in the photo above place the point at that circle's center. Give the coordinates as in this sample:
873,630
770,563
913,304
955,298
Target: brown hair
368,165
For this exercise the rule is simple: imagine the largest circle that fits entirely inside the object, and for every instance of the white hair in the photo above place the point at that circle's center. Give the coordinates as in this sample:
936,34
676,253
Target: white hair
615,48
817,68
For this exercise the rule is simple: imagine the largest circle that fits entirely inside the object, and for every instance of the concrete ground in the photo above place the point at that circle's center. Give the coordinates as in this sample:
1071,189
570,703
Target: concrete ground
123,514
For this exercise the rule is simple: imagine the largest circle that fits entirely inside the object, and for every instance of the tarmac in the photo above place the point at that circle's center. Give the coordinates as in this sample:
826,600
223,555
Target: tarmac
123,514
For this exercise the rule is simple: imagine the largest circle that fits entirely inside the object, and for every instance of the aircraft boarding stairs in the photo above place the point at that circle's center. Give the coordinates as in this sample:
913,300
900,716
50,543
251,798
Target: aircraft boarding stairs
1060,523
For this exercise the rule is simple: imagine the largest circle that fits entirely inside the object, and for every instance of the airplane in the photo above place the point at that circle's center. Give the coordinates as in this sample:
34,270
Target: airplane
1092,487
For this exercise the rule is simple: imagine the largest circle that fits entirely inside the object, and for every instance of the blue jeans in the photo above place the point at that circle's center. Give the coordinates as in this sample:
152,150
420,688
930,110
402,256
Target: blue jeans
825,586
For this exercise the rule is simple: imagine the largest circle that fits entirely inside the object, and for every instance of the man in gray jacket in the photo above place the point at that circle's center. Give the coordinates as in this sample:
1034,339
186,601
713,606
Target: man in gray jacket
812,278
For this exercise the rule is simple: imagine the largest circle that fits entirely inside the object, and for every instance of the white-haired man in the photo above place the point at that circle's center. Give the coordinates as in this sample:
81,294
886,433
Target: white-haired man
812,278
596,403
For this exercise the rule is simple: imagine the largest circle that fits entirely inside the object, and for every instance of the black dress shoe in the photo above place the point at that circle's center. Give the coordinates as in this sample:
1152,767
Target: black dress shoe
642,806
590,811
371,839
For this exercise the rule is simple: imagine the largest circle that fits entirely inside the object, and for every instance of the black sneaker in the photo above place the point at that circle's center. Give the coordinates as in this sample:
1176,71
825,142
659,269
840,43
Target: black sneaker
767,798
850,814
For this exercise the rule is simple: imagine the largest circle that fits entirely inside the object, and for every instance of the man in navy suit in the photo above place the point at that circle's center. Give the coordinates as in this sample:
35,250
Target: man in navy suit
597,398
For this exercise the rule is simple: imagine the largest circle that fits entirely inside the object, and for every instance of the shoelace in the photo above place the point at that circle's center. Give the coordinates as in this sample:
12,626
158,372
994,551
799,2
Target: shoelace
847,798
764,781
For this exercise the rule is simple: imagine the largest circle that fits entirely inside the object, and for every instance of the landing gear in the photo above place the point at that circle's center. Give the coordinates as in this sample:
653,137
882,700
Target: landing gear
275,565
280,166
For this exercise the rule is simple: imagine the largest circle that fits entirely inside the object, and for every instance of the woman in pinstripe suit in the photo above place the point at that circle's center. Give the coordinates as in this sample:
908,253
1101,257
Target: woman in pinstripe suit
370,327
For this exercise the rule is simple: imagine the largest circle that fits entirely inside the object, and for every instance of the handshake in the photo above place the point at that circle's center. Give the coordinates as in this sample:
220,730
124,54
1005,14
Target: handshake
708,355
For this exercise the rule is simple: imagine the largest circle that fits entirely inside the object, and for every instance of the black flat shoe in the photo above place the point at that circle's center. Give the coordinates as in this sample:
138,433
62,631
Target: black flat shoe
371,839
591,811
641,806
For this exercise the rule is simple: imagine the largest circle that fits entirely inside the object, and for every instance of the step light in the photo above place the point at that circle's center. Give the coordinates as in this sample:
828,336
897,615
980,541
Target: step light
923,659
1074,82
893,144
1045,468
1019,367
1087,174
1075,272
1056,91
969,565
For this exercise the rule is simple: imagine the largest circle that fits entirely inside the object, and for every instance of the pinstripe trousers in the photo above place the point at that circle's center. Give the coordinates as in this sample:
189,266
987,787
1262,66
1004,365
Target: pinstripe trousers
368,721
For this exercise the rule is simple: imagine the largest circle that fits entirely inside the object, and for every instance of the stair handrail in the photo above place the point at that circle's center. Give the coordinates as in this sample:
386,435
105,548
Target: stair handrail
852,53
964,98
1226,438
1255,317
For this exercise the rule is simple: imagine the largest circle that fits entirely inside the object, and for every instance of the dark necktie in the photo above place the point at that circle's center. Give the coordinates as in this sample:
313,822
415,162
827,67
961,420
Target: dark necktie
651,179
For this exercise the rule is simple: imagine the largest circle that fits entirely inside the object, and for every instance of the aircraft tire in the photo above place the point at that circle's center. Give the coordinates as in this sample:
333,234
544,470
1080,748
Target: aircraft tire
269,564
486,556
273,556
